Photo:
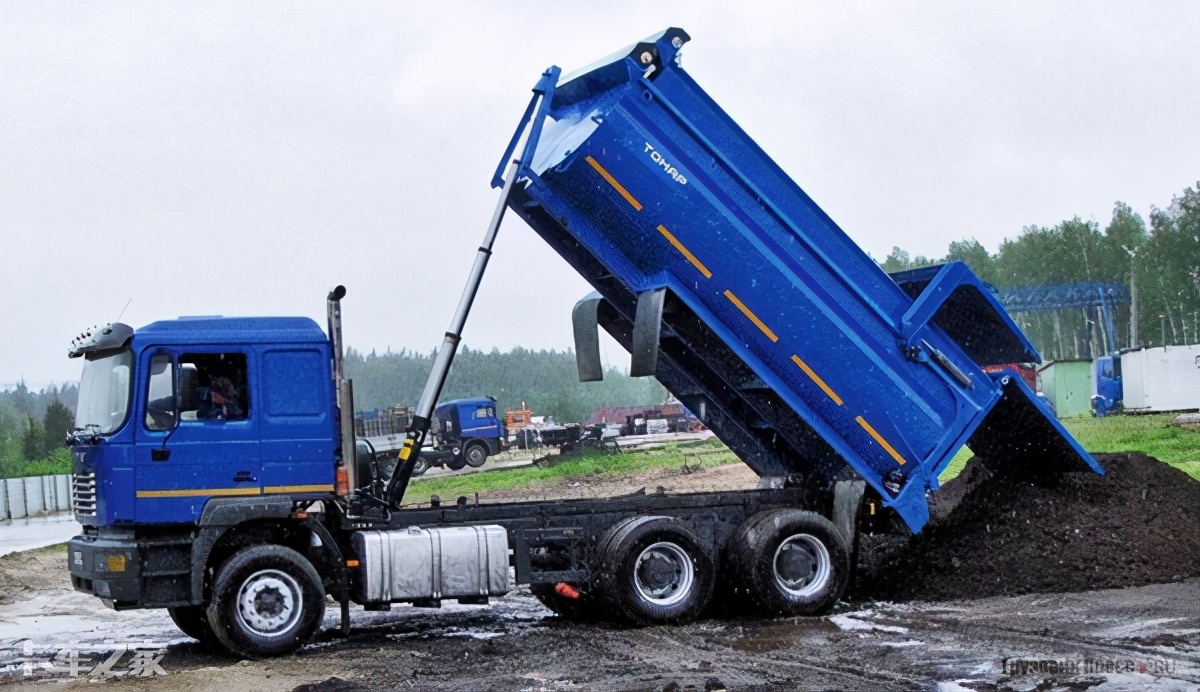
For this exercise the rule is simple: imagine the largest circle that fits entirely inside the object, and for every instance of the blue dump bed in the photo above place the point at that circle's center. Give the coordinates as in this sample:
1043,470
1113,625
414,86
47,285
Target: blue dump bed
728,283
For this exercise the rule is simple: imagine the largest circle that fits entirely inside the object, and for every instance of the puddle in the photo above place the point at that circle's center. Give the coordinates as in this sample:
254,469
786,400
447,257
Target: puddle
777,634
854,624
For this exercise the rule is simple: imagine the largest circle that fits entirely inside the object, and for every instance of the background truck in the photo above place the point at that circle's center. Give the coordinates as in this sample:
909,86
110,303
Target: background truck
470,430
1147,380
215,467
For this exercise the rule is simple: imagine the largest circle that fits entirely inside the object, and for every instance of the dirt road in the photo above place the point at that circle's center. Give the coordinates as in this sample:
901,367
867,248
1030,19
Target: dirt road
1139,638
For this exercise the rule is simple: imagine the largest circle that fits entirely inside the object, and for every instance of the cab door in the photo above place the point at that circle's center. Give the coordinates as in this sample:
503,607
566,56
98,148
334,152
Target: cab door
197,431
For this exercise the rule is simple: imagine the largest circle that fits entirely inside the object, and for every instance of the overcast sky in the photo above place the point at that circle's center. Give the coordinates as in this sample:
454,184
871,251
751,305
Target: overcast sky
241,158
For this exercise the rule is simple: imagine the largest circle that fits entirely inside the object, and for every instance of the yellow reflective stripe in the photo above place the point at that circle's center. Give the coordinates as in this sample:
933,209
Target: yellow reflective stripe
613,181
298,489
753,318
816,378
199,491
879,438
684,251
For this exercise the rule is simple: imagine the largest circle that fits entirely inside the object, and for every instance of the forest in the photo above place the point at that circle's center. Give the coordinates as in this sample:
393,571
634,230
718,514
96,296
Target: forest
1163,253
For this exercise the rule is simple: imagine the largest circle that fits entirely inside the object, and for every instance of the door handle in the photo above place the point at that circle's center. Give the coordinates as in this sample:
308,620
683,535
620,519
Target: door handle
244,477
160,454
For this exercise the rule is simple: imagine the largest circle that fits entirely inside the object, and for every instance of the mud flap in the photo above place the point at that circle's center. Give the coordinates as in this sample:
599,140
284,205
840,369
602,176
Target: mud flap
647,328
1022,431
847,500
587,338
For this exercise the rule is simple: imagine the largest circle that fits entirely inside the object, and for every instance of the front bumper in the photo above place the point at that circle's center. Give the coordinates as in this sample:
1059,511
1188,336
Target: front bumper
107,568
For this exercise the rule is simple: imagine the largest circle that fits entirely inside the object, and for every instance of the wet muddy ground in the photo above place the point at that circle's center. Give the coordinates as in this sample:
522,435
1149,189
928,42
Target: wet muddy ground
1140,638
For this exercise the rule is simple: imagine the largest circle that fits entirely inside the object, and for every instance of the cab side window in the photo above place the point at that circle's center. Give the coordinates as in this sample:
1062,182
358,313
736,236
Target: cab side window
160,394
217,386
484,412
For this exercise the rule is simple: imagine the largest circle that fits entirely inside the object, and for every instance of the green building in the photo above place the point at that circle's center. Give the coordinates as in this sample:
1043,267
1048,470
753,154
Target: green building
1068,385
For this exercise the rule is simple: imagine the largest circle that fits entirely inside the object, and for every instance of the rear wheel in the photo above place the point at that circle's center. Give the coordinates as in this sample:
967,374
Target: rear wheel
791,562
267,601
192,621
420,466
654,572
475,455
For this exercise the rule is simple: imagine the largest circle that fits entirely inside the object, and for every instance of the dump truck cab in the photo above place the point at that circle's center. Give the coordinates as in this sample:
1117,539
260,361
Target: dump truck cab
470,428
195,408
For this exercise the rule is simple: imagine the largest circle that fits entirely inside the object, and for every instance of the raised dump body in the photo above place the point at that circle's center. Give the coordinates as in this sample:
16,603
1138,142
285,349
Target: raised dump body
743,297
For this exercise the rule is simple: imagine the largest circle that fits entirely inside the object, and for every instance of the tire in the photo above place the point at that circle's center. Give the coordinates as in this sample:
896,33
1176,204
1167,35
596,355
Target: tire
790,562
586,608
420,467
456,463
267,600
653,571
193,621
475,455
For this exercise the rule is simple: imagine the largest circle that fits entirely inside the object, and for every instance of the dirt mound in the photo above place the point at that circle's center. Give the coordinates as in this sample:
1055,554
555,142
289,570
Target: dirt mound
1012,534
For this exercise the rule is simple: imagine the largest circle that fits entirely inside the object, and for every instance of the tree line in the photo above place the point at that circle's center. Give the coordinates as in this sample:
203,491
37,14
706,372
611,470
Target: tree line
33,427
1163,254
546,381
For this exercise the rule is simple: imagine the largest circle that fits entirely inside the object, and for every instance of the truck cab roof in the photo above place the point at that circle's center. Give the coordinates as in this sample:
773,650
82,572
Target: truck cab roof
473,401
225,330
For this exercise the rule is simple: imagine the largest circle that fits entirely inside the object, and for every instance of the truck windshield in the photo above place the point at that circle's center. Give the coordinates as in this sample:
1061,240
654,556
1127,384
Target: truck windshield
104,392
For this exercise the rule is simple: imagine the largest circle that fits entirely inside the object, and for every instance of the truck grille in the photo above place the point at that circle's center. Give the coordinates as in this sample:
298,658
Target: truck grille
83,494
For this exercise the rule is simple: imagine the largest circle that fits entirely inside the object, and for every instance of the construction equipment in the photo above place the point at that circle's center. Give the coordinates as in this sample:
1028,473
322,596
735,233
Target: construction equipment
519,419
216,471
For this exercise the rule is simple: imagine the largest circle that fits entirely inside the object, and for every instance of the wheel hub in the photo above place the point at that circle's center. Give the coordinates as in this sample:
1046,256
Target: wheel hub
269,603
663,574
802,565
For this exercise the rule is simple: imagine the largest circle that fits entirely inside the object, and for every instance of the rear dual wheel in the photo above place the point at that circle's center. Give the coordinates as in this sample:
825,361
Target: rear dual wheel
655,572
790,562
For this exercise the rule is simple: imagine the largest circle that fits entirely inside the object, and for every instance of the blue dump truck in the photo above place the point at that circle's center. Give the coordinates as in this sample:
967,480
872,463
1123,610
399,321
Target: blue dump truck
216,472
468,433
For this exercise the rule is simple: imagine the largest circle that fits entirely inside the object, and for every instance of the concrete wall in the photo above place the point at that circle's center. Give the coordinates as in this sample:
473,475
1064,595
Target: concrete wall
34,495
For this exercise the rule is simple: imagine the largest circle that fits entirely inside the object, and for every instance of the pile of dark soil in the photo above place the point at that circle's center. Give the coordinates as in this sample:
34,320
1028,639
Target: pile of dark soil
1010,533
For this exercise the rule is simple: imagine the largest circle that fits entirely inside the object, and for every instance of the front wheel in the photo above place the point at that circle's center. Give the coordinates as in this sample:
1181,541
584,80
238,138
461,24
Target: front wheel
267,601
475,455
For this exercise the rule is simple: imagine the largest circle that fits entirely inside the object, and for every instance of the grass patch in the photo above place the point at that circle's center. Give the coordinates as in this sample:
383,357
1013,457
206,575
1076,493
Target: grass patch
595,464
1148,434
